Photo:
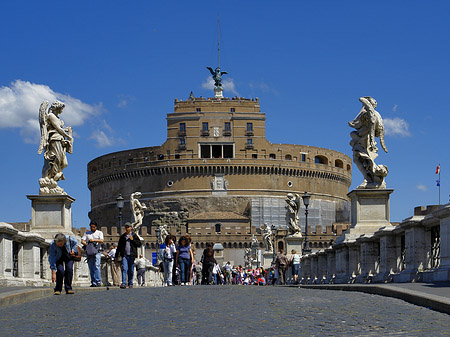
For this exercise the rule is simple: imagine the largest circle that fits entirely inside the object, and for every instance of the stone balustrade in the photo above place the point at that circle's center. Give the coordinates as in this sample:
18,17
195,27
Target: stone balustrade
418,249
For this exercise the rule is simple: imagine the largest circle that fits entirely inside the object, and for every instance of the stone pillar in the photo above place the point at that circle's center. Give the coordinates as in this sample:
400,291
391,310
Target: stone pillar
354,267
368,258
322,266
6,251
306,268
31,263
443,272
342,263
331,265
314,268
51,214
388,254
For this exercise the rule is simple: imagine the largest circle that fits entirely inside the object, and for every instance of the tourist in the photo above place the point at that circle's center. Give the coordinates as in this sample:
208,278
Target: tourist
281,263
295,263
183,259
140,268
198,273
208,262
188,237
92,241
228,273
62,251
127,249
168,256
115,264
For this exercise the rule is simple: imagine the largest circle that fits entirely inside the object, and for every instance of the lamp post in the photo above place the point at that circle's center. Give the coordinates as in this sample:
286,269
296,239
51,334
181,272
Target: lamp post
119,202
306,198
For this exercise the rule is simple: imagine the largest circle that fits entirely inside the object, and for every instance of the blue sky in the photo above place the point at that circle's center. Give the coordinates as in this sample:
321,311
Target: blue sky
119,65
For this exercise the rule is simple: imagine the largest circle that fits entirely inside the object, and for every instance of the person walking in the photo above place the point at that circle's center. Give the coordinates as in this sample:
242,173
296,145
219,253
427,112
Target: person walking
140,268
208,261
228,273
115,265
295,263
62,252
281,263
183,259
92,241
127,250
168,257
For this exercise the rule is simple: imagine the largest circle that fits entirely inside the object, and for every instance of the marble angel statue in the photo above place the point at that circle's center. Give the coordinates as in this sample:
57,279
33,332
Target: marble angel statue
369,125
293,206
267,236
56,141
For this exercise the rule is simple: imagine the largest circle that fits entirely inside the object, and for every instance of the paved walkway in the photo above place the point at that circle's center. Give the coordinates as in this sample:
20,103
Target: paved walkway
220,311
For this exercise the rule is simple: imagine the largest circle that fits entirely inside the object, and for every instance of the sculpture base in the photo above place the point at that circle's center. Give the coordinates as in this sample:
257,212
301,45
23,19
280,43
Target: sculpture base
369,212
294,242
218,92
51,214
267,258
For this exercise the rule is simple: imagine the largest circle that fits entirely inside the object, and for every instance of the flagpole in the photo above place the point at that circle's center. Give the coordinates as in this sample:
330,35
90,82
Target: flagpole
439,184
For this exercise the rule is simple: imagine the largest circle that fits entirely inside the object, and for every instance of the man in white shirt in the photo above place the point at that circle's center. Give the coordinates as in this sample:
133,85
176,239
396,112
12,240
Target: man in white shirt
115,265
95,239
140,267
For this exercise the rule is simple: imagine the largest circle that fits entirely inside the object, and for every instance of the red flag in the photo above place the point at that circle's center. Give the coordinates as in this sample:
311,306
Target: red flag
438,169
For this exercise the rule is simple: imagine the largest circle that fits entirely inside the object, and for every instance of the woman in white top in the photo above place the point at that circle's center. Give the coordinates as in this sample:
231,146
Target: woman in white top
295,263
168,258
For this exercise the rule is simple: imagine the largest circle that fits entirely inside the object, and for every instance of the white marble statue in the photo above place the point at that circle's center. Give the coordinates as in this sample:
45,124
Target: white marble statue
162,233
248,257
267,236
55,142
369,125
293,206
137,209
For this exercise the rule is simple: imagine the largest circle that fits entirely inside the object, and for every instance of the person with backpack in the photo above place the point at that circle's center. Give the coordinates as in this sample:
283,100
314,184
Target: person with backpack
281,263
127,249
208,261
92,241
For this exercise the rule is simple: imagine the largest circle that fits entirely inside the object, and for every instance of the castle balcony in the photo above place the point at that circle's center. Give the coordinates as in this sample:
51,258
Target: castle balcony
249,133
182,133
249,146
204,133
226,133
181,147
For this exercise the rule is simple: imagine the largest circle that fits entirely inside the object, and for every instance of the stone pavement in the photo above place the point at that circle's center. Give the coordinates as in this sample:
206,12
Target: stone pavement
221,311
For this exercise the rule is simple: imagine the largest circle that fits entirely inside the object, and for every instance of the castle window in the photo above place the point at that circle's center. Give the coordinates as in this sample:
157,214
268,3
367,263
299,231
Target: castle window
348,167
233,110
227,126
303,157
288,157
160,156
177,156
249,141
272,156
205,126
249,126
182,141
254,156
183,127
205,151
199,109
228,151
339,163
321,160
218,228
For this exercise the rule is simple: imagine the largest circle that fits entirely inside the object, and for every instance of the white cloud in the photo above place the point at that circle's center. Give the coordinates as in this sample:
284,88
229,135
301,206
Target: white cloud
396,127
421,187
394,108
227,84
19,108
124,100
102,139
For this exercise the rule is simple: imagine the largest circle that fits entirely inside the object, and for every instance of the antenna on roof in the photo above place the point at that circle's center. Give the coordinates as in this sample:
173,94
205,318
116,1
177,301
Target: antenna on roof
217,74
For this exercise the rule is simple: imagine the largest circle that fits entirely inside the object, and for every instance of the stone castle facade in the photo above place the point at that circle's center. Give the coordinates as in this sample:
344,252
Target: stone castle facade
218,178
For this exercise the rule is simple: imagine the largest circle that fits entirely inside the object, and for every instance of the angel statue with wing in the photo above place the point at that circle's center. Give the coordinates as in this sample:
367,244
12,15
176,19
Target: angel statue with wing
138,210
217,76
55,142
293,206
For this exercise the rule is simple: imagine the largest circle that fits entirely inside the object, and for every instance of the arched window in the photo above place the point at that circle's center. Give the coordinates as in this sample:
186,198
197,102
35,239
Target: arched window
272,156
218,227
280,245
348,167
321,160
288,157
339,163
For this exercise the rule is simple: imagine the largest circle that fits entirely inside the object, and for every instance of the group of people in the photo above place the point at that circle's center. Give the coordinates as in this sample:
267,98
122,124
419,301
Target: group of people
64,250
178,263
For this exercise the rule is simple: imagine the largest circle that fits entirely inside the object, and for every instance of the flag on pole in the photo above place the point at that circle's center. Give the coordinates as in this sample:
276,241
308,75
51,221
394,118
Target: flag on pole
438,182
438,169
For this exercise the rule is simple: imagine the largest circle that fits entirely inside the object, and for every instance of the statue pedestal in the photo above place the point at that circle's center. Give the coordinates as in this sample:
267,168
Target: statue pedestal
294,242
218,92
51,214
267,258
370,212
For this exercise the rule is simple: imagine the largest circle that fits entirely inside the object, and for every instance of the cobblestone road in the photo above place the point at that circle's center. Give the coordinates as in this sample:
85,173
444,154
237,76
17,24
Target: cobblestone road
221,311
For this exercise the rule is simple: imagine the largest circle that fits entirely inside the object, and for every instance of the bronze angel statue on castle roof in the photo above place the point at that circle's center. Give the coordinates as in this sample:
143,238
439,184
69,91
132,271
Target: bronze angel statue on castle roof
55,142
217,76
